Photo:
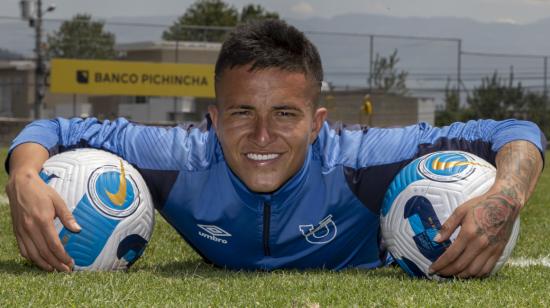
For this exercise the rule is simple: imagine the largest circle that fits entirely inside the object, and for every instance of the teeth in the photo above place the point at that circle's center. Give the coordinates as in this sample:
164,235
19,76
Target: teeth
261,157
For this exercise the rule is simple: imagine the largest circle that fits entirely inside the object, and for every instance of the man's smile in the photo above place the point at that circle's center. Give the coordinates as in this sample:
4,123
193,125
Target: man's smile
262,157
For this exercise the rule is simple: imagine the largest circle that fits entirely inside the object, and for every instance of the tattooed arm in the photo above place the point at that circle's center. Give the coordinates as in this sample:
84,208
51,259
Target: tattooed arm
486,221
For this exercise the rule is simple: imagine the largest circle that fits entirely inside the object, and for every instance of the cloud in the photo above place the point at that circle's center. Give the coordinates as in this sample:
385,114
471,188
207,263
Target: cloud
378,7
302,8
504,20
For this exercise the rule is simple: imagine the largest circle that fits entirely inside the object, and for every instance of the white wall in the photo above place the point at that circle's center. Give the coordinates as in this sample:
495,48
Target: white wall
426,110
156,109
69,110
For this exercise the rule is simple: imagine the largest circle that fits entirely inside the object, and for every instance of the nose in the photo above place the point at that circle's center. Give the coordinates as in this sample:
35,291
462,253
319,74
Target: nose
262,134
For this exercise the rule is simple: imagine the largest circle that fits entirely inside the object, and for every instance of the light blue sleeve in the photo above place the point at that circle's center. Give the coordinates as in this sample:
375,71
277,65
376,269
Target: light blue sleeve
360,148
149,147
497,133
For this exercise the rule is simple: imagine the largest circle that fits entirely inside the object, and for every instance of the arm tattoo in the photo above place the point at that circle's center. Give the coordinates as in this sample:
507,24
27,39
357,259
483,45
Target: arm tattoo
495,217
519,164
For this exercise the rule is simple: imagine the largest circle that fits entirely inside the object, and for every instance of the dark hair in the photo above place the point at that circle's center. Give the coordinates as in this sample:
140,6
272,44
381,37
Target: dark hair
270,44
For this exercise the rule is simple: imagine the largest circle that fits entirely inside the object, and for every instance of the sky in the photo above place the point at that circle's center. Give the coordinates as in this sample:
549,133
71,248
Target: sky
508,11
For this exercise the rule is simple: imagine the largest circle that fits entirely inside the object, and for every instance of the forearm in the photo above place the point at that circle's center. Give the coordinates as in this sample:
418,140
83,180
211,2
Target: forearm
47,137
62,133
27,157
519,165
487,221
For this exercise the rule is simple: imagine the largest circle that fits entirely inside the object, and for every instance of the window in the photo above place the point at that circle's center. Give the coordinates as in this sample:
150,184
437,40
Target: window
142,99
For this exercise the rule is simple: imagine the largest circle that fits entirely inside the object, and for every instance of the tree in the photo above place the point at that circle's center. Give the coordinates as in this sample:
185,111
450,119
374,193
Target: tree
386,78
497,99
453,112
537,109
82,38
9,55
212,13
256,12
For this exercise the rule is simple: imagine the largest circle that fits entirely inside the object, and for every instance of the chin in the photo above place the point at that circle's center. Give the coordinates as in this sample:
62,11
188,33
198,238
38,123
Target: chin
262,187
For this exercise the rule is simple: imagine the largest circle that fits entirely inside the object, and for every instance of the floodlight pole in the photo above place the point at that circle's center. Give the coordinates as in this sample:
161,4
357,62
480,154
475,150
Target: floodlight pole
39,65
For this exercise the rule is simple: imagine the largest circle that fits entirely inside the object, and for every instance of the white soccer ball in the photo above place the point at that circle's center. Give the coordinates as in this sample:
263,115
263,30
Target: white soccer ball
109,200
421,198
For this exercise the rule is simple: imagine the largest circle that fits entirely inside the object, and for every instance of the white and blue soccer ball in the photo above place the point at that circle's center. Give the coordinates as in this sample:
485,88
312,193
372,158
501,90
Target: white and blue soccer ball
421,198
109,200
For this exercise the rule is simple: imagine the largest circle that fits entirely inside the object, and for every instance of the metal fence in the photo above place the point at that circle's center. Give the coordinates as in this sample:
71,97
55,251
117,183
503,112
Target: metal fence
429,61
530,70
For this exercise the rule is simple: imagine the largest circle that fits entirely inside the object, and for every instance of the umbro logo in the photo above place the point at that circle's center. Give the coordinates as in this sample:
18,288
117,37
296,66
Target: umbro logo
213,233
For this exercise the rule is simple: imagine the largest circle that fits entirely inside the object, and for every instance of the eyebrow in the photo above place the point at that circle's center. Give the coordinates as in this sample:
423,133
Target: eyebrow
247,107
286,107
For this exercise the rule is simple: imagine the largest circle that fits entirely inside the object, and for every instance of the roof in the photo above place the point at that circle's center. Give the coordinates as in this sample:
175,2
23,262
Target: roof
19,65
168,45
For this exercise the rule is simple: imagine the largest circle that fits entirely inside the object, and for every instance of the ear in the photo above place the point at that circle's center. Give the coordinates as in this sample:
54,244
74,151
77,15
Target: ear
213,111
318,119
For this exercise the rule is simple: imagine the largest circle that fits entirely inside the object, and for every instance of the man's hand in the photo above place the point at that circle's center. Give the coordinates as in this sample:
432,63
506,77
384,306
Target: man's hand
34,206
486,222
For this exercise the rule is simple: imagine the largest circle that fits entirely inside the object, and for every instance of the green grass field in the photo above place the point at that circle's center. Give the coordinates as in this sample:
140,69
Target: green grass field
171,274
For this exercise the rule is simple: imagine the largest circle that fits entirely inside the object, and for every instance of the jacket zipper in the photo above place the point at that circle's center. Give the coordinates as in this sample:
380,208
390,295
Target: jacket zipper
267,219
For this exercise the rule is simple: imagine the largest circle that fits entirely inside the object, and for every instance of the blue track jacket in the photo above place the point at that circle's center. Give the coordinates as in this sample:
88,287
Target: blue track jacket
325,216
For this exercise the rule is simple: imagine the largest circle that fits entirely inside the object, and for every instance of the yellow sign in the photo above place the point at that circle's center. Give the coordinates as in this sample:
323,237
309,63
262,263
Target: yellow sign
131,78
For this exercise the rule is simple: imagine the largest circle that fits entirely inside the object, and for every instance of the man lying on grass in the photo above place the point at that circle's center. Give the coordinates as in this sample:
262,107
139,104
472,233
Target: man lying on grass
266,163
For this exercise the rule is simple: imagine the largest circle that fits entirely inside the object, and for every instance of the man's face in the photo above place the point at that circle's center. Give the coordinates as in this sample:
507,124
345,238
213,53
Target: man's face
265,122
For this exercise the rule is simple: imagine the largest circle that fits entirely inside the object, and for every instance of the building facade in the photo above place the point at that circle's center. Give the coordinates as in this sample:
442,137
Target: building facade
387,110
347,106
